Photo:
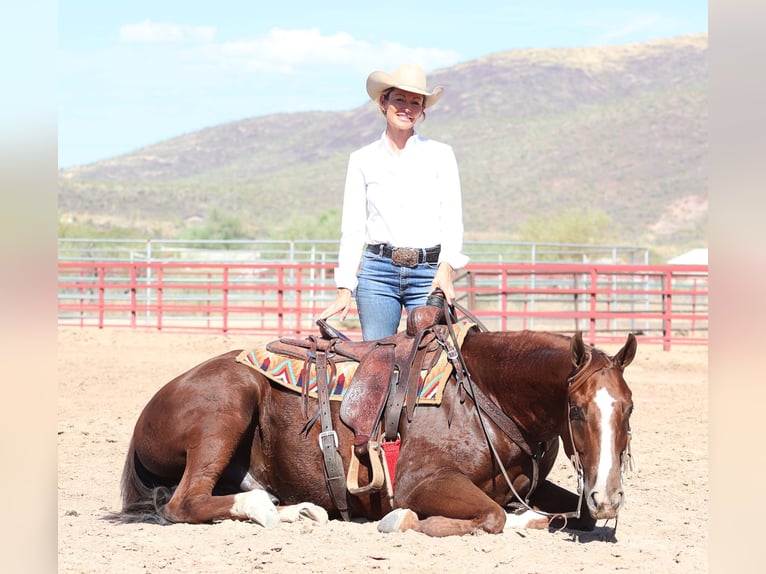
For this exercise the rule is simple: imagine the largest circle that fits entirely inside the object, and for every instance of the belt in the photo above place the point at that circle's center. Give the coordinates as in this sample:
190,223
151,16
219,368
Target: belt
406,256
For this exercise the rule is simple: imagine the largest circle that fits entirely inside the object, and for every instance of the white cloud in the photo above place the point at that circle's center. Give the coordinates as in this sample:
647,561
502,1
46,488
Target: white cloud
148,32
166,79
630,26
280,51
636,25
293,51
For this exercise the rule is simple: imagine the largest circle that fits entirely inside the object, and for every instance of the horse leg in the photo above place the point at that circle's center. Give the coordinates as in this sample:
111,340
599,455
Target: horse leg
453,505
246,482
193,501
301,510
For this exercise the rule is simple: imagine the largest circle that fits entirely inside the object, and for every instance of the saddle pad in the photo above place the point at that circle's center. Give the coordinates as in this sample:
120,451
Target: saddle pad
289,371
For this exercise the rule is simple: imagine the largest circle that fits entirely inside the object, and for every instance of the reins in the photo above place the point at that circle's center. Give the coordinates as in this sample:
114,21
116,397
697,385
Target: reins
484,405
575,456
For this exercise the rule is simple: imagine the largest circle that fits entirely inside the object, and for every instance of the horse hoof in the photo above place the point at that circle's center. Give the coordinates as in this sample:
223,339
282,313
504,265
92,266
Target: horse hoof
529,519
397,520
303,510
256,505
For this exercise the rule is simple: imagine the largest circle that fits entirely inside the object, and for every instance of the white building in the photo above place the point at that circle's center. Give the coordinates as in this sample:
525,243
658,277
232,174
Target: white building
693,257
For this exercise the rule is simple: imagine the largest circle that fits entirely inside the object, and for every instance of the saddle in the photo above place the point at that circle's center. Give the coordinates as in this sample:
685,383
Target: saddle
384,386
385,365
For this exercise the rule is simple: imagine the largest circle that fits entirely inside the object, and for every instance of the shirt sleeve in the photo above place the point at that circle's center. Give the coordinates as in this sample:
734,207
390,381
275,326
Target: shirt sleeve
451,219
353,225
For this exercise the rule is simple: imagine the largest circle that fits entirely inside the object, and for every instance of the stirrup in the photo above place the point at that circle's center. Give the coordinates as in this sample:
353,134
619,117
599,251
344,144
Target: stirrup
378,476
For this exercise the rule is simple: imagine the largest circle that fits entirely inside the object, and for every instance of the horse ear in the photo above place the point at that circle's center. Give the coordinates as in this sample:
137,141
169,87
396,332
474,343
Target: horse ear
625,356
577,350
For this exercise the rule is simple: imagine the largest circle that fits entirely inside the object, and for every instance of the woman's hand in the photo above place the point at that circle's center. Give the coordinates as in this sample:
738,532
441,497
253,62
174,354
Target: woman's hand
443,281
342,305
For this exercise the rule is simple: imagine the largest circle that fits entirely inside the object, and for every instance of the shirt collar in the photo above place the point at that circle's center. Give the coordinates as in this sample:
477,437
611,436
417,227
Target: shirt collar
413,140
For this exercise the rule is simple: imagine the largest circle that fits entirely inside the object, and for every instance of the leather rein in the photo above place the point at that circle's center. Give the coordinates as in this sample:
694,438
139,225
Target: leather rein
485,406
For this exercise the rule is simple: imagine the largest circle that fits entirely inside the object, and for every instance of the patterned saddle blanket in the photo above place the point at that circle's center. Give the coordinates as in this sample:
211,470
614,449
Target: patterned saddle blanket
289,371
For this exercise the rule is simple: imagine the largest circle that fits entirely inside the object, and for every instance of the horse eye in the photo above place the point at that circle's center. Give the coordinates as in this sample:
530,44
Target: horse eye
576,413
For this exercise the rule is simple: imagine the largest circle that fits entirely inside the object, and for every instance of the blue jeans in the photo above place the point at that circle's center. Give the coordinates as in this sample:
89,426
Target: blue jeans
384,289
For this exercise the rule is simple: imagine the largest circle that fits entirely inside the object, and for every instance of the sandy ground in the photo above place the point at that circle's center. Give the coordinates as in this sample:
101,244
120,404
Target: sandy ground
106,377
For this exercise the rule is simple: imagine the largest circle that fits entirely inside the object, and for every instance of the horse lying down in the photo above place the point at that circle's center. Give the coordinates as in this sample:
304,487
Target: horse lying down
224,441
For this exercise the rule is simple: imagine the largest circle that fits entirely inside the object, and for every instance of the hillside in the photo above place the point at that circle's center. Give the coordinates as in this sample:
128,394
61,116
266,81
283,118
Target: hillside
620,129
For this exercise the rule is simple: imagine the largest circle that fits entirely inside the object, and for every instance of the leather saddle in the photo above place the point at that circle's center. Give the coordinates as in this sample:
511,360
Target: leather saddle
389,368
386,382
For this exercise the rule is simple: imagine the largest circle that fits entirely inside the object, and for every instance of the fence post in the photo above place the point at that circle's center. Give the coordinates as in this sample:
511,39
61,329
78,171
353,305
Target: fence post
132,287
225,310
503,294
101,295
81,290
148,280
593,305
159,296
281,299
576,289
667,309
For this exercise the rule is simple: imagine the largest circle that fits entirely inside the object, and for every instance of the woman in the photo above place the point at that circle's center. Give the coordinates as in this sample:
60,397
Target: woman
402,199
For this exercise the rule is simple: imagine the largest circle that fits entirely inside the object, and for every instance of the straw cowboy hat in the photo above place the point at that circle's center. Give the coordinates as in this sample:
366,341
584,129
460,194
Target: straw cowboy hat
408,77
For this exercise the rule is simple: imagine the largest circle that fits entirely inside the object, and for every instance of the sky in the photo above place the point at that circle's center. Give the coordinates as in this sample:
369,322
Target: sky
132,74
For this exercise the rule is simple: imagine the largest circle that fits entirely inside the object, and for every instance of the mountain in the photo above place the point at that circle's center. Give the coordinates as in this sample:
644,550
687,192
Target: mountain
537,132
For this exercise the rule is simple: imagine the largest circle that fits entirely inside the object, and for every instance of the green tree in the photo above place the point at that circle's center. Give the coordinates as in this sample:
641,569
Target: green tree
216,225
580,226
325,225
73,228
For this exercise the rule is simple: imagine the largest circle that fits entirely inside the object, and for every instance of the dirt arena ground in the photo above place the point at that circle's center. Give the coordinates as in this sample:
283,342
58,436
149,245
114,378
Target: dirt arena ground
106,377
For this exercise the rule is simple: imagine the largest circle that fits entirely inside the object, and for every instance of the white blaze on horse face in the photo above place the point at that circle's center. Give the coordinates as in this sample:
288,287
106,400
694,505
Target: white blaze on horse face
605,403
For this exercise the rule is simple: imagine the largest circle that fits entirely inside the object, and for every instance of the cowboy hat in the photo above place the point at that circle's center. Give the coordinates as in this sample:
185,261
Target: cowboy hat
408,77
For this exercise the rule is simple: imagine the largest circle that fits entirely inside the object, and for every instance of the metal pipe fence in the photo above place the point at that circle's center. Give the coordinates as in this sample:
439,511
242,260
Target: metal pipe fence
661,304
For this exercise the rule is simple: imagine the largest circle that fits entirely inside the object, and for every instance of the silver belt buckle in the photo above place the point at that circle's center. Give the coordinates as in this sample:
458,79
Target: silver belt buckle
405,256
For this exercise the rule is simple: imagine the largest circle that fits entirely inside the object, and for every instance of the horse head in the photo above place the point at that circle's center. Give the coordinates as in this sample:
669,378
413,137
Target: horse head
598,424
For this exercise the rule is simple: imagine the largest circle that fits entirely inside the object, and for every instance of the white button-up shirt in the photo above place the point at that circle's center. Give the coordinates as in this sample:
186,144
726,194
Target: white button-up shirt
409,199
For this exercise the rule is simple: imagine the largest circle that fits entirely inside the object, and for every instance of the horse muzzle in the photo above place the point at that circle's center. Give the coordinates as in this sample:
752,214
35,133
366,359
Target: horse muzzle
605,506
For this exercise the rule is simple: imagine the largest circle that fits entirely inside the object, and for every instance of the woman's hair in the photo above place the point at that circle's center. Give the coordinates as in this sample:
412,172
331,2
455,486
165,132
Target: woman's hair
387,92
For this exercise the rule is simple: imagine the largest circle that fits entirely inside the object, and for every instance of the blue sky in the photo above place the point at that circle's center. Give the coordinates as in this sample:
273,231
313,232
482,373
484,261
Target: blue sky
131,74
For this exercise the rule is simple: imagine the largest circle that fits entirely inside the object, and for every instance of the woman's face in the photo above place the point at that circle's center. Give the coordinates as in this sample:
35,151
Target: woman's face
402,108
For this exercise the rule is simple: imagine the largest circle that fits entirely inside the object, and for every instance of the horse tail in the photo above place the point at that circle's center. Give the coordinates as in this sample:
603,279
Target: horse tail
141,501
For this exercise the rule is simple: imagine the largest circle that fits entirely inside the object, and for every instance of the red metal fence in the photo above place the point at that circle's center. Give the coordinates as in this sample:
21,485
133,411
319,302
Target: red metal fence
664,304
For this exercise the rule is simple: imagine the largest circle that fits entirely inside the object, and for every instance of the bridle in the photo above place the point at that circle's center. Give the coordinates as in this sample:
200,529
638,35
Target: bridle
485,406
573,381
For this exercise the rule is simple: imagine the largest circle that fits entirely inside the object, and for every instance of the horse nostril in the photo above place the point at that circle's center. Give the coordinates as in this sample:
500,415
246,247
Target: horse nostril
598,499
613,500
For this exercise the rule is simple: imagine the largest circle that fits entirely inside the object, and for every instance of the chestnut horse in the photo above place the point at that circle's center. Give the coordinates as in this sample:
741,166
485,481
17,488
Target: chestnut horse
222,441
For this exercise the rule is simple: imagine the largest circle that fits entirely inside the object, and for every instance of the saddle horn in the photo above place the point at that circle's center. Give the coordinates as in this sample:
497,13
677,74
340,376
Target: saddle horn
428,315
